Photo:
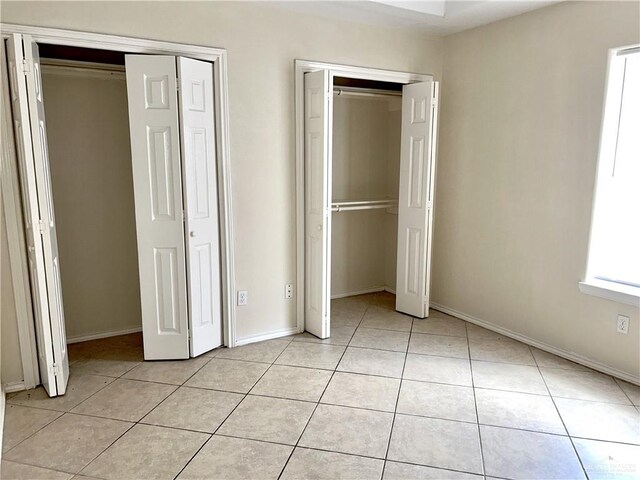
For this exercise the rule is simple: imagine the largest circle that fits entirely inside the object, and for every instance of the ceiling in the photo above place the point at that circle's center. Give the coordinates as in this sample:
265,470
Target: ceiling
439,17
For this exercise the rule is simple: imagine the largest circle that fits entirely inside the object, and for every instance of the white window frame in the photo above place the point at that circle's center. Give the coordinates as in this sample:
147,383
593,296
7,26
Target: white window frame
591,285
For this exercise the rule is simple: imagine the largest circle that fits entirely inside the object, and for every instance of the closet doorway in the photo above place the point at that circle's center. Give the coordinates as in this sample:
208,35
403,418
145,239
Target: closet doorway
366,171
173,175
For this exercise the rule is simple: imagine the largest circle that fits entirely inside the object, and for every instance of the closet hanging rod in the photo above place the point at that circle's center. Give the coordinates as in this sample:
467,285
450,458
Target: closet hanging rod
363,92
363,205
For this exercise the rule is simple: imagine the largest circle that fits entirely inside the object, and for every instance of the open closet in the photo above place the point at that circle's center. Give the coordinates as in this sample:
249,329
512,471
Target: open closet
364,180
127,155
369,171
92,184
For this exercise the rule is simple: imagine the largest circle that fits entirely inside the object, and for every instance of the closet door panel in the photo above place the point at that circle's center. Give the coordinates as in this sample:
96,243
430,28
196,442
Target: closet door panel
201,204
47,215
47,225
157,179
415,202
317,112
31,209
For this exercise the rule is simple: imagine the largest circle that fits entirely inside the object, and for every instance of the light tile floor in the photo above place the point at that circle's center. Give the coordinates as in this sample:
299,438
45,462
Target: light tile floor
387,396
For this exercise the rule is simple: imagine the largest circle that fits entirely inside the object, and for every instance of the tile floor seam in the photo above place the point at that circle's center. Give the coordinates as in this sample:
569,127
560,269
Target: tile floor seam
93,394
563,397
475,403
73,475
617,381
395,410
230,413
315,408
564,425
28,437
617,442
380,459
437,467
178,387
108,446
399,331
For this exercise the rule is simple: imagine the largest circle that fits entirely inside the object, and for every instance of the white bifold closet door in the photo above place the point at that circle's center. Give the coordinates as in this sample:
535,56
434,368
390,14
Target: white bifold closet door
172,309
201,196
415,204
37,197
317,167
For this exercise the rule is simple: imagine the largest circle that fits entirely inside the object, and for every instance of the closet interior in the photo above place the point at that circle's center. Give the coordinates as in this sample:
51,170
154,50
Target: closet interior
88,137
366,131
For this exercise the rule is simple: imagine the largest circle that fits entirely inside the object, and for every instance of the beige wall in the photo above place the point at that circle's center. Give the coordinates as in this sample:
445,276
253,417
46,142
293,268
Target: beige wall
90,160
520,124
262,43
11,366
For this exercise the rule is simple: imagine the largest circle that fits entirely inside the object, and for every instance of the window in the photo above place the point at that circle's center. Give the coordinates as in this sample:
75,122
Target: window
614,251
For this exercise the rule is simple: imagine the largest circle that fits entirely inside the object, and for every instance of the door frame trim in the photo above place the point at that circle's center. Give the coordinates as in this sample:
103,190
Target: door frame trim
218,56
335,69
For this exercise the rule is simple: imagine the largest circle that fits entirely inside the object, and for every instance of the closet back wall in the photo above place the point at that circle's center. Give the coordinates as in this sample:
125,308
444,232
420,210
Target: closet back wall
366,166
90,157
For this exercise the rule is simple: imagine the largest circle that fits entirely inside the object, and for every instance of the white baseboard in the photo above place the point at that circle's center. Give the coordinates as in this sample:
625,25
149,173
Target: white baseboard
574,357
363,292
97,336
13,387
357,292
283,332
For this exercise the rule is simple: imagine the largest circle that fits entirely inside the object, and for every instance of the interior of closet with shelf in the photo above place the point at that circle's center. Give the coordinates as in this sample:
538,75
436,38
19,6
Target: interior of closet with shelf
365,182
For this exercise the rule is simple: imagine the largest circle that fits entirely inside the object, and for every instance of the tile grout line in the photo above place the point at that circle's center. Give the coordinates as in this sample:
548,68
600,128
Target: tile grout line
617,382
575,450
178,387
475,403
318,402
231,412
62,414
395,410
134,424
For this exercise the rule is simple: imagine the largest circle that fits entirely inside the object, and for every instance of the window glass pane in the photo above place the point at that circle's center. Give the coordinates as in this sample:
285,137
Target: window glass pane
615,253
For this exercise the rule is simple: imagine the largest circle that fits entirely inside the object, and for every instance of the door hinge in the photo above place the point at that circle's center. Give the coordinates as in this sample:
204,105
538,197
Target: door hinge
26,66
41,227
177,84
55,370
429,205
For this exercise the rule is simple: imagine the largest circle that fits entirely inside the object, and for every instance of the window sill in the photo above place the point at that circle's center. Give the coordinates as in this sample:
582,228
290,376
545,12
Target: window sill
611,291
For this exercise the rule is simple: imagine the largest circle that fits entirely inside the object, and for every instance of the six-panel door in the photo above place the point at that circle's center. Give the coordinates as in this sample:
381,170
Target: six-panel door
201,200
157,180
415,200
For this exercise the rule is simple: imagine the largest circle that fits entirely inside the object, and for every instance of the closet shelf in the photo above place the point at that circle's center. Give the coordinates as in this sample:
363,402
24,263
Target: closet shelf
345,206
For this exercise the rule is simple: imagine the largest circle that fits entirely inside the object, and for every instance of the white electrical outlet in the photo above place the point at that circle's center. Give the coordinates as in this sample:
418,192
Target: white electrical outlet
288,290
623,324
243,297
